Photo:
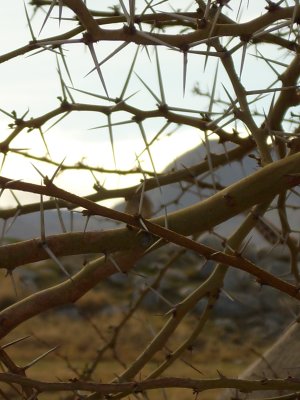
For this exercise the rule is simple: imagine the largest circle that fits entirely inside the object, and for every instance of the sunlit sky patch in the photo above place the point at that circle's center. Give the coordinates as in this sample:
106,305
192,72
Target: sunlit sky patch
32,83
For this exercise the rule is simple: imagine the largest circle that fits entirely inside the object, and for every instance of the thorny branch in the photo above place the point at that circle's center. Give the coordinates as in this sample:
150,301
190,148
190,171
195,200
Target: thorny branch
210,32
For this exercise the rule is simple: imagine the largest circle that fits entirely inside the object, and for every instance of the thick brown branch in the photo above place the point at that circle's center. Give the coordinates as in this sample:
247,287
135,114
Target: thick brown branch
134,387
254,189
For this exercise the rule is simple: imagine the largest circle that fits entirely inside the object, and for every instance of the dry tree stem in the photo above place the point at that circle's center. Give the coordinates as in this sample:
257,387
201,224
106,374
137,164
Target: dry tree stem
123,247
136,387
254,189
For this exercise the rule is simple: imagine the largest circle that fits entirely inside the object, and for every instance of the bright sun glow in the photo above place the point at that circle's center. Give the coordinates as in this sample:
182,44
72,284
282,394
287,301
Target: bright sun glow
99,154
36,89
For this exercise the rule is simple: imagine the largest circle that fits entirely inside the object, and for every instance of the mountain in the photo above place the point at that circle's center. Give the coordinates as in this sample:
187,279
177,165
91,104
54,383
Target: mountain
28,226
173,196
184,194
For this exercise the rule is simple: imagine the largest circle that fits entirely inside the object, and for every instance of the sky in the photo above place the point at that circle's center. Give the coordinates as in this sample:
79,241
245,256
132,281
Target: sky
32,83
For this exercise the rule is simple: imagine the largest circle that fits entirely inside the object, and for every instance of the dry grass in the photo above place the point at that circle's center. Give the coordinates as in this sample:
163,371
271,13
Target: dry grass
215,350
79,336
